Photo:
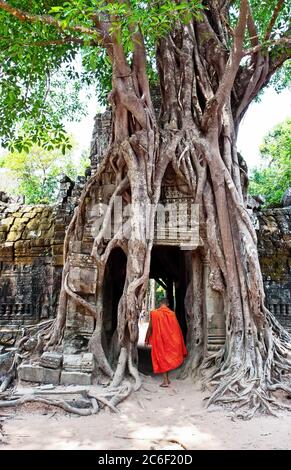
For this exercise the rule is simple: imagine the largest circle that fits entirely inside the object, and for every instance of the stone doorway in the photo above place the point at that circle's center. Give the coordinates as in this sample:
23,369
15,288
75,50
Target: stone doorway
170,269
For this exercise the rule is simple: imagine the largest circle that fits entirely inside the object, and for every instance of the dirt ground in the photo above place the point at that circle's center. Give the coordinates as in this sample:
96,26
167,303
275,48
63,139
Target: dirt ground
153,418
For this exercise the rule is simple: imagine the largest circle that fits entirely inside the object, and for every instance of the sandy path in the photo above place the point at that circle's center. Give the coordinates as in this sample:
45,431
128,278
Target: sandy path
153,418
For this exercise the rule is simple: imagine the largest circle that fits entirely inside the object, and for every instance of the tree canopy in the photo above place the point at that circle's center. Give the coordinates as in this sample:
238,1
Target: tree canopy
273,176
42,41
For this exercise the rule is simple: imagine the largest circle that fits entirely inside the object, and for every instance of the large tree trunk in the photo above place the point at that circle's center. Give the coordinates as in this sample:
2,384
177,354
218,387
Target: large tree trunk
201,107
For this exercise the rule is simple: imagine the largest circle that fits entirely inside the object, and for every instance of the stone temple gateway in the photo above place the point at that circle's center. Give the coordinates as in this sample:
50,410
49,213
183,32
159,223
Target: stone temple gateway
31,247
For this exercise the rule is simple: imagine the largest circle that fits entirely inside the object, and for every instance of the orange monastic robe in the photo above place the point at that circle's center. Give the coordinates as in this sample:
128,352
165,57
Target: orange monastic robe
168,347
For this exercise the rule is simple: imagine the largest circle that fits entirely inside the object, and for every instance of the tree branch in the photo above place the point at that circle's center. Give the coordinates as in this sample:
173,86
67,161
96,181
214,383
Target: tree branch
45,19
254,38
216,103
57,42
273,19
277,42
106,40
52,42
139,67
254,79
277,61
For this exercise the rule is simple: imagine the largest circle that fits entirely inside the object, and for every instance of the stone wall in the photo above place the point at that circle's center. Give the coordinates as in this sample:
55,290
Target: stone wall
31,256
274,244
100,138
31,244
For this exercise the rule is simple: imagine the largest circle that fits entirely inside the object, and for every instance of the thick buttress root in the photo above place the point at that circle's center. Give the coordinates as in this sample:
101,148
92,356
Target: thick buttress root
247,382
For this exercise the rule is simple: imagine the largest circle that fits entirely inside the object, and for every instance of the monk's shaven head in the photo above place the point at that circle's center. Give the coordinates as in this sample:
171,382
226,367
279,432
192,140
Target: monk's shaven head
164,301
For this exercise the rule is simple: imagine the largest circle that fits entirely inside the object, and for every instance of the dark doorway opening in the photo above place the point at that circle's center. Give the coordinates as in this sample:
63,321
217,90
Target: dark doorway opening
170,268
114,280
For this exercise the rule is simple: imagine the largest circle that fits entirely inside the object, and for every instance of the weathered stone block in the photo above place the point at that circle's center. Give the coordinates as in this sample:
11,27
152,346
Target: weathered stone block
7,222
59,227
20,223
78,320
83,280
57,260
51,376
75,342
87,362
36,373
6,251
82,261
79,362
57,249
13,236
59,236
47,241
75,378
39,242
25,209
72,361
51,360
33,225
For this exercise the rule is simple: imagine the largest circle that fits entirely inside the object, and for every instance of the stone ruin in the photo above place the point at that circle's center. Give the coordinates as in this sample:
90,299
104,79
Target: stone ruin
31,247
274,245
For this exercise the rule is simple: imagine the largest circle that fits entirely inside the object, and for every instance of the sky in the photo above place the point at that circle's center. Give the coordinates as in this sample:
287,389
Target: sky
258,121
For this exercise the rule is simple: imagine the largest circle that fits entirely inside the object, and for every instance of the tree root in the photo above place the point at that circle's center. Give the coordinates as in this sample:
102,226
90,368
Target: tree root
6,382
94,401
247,385
59,403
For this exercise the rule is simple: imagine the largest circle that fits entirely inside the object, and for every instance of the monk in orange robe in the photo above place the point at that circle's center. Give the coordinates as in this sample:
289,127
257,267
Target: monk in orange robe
166,338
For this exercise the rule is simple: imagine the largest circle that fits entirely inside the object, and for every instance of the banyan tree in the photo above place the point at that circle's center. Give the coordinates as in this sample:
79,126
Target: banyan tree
178,77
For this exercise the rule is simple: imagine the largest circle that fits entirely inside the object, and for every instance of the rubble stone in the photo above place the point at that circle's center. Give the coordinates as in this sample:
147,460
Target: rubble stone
36,373
79,362
75,378
51,360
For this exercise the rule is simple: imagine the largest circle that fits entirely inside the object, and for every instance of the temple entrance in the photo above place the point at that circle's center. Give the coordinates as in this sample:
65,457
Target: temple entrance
169,277
169,270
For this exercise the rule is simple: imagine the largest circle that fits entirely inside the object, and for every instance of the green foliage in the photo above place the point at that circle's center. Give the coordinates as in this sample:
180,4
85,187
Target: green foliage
154,19
273,177
40,76
160,294
39,83
97,70
282,78
262,12
39,170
